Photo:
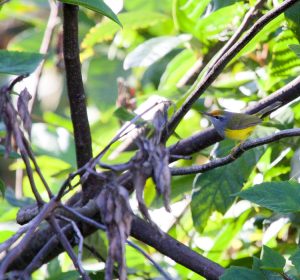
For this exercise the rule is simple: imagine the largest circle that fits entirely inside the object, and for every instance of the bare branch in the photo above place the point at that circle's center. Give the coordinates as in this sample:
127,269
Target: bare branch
204,139
236,153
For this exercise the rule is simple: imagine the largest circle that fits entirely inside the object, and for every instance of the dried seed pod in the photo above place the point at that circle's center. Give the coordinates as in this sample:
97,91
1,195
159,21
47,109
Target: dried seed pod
116,214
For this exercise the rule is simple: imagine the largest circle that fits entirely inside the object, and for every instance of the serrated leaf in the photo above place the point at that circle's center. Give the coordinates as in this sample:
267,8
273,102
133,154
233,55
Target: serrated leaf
123,115
283,59
152,50
2,187
19,63
295,48
295,259
282,197
238,273
98,6
213,190
271,260
131,20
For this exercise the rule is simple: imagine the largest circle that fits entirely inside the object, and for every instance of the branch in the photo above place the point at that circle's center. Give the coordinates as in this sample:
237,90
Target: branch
76,92
200,86
204,139
236,153
141,230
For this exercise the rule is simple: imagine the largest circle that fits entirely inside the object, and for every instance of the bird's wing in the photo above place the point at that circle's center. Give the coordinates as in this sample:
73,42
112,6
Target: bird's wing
243,121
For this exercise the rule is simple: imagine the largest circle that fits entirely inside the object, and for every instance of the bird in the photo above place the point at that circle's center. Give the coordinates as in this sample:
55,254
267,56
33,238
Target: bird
238,126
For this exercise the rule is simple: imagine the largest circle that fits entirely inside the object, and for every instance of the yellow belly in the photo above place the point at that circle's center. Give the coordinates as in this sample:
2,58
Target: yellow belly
237,134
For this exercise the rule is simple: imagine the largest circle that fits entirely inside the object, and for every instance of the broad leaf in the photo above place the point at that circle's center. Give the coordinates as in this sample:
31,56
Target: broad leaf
213,190
131,20
283,59
19,63
152,50
238,273
282,197
271,260
95,5
295,258
177,68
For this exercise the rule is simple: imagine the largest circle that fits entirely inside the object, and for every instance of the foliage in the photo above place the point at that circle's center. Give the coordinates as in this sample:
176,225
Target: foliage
243,215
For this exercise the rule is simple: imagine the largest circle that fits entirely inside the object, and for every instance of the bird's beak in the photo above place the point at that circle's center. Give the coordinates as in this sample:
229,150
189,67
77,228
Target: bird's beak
205,113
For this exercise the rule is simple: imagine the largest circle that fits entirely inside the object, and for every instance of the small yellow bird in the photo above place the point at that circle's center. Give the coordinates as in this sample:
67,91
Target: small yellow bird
238,126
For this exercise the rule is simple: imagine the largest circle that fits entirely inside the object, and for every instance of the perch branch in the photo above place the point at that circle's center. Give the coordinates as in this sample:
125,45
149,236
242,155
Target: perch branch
200,86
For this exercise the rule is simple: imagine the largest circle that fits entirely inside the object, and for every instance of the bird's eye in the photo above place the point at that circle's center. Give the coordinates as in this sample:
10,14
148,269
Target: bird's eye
218,117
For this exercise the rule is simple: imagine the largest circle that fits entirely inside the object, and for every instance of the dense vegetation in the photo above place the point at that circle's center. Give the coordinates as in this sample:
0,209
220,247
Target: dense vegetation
107,161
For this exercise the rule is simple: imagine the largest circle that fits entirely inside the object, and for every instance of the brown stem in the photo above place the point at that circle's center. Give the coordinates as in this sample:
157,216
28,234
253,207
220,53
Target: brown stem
76,92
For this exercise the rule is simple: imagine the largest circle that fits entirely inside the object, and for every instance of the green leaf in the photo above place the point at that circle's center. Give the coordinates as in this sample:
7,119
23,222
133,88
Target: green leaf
295,259
131,21
213,190
2,187
95,5
68,275
295,49
177,68
231,227
218,22
282,197
238,273
272,260
152,50
187,13
124,115
19,63
283,60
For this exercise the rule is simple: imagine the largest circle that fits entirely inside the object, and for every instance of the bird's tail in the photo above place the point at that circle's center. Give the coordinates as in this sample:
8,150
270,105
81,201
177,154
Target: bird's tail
269,109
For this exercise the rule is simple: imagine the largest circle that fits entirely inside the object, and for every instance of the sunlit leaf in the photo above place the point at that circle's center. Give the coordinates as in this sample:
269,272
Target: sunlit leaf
177,68
281,197
152,50
284,61
98,6
132,20
19,63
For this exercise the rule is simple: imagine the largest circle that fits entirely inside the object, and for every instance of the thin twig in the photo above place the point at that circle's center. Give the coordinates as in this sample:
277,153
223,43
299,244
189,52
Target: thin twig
200,86
236,153
247,21
15,252
155,264
5,245
37,168
78,233
103,227
38,258
66,244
